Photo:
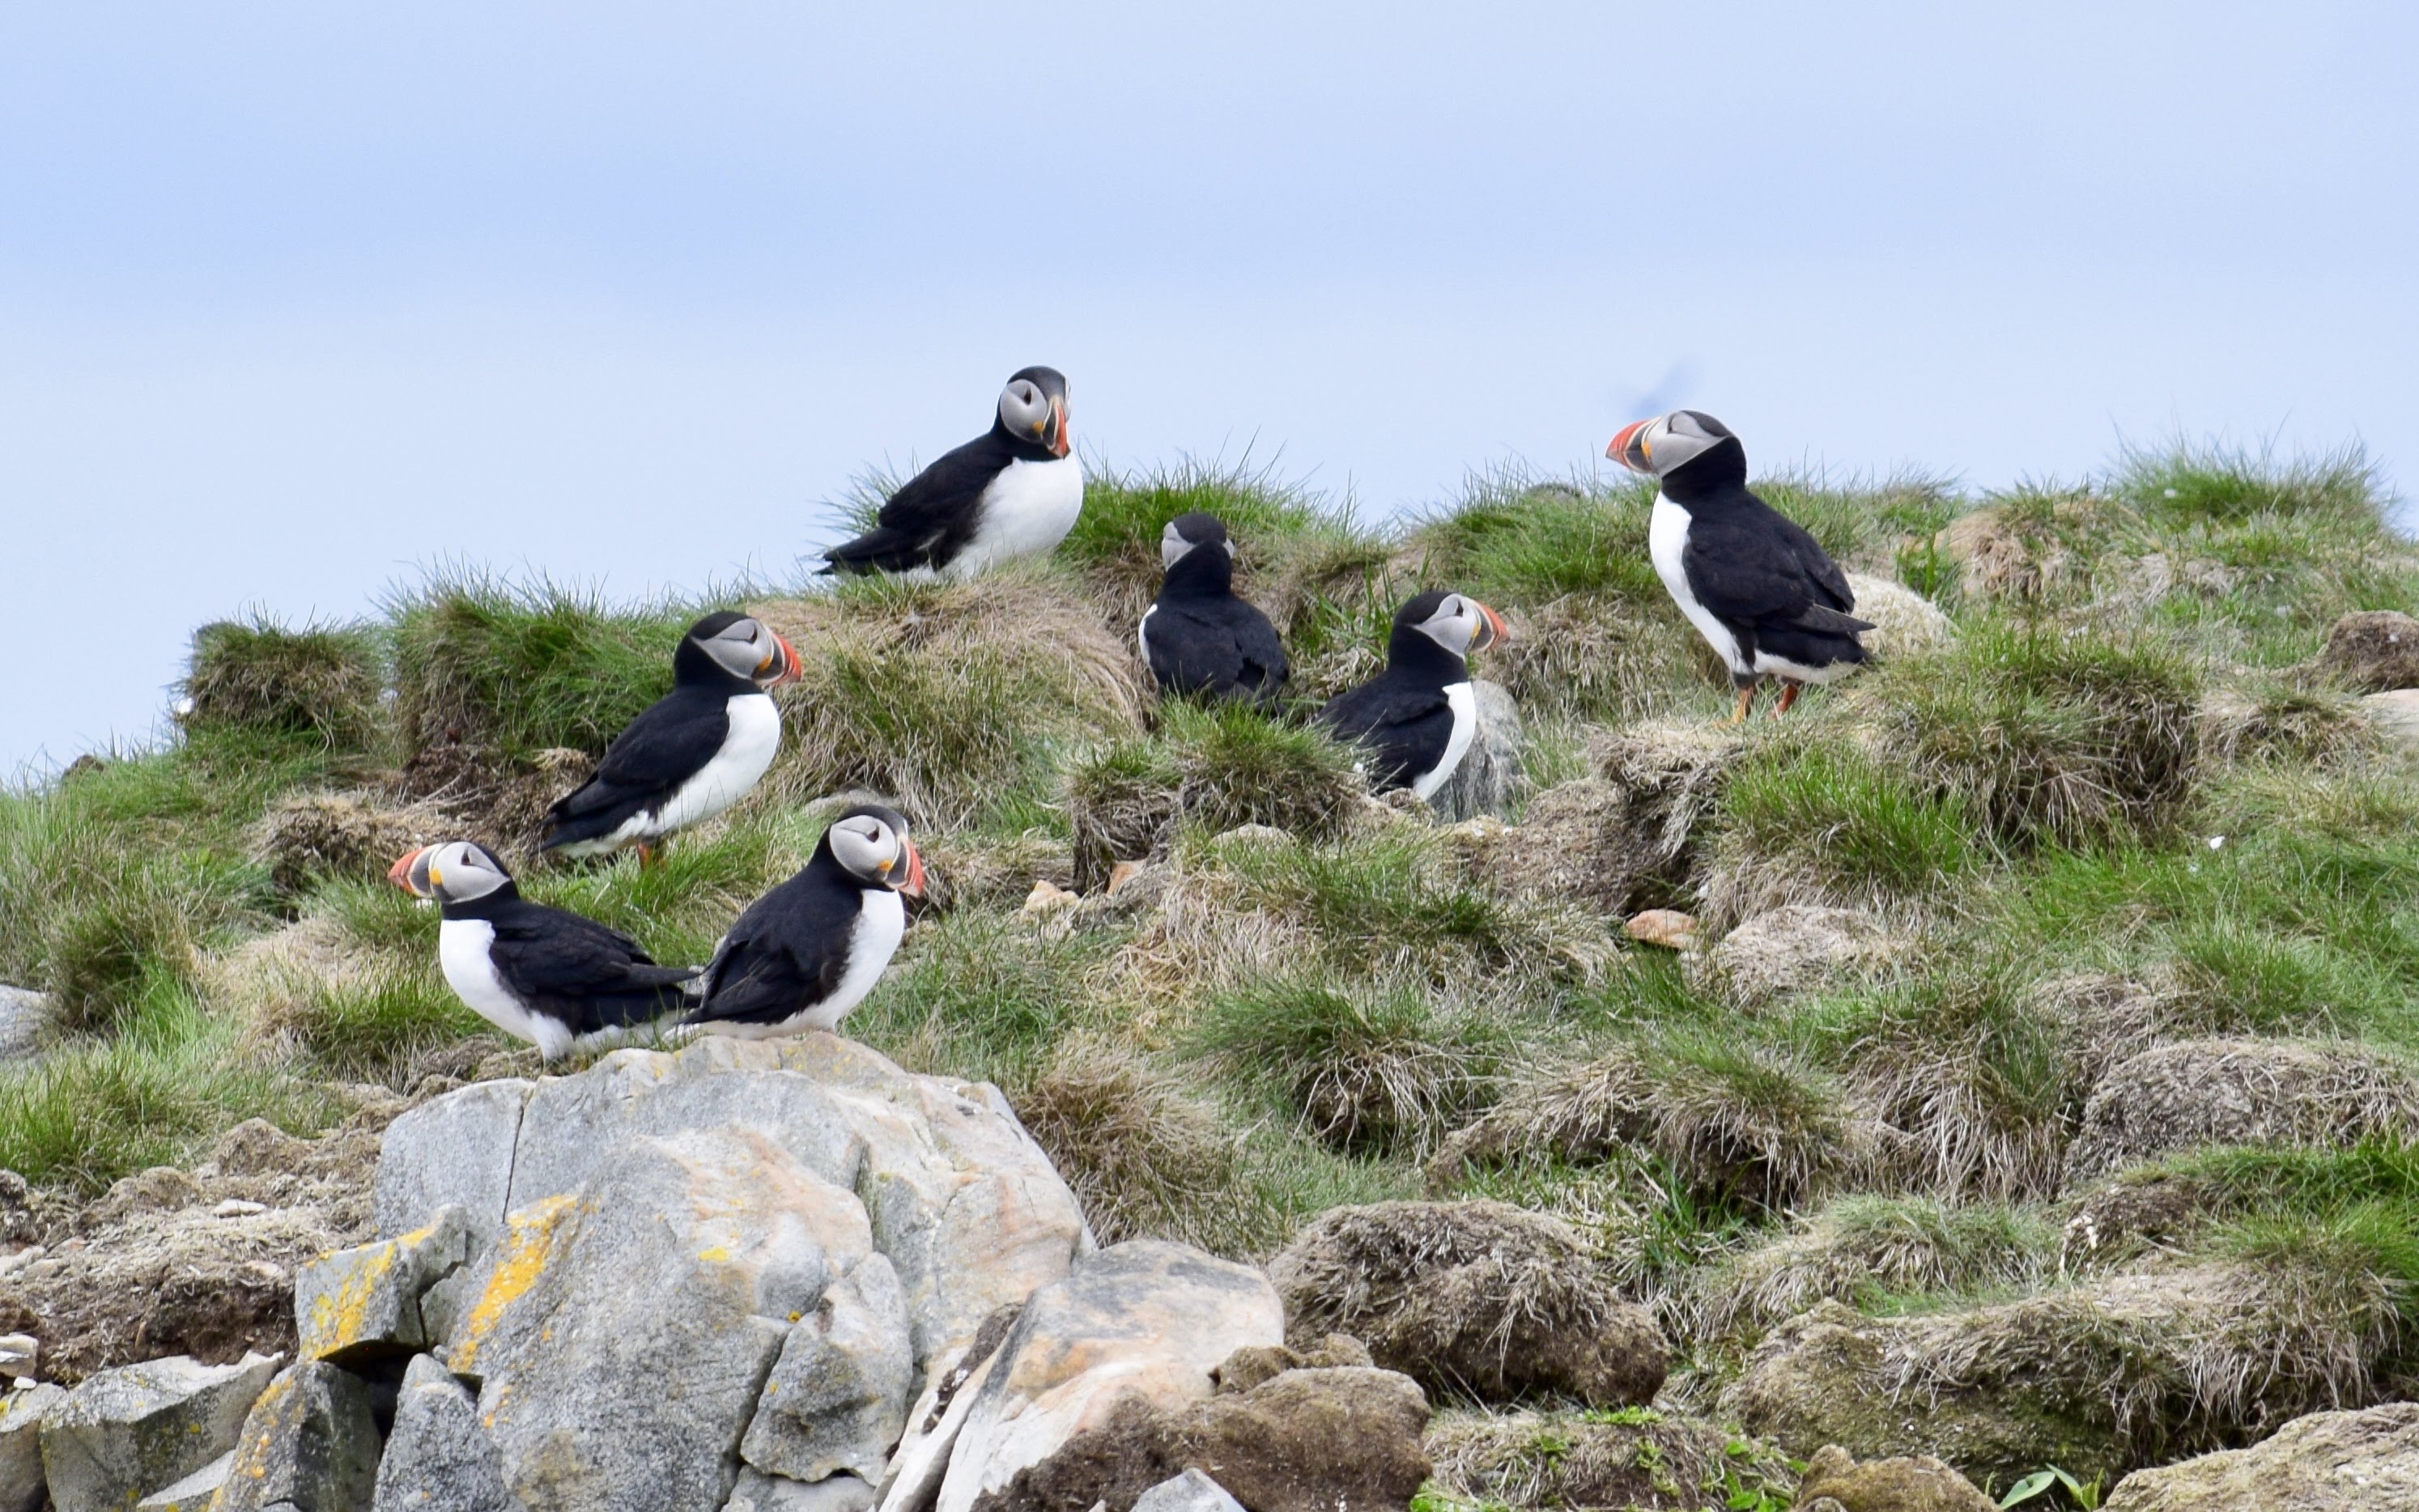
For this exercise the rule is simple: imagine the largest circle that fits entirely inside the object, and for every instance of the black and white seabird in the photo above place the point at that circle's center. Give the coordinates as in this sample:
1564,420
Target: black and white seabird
539,974
1197,638
1769,601
1014,492
693,752
809,950
1418,716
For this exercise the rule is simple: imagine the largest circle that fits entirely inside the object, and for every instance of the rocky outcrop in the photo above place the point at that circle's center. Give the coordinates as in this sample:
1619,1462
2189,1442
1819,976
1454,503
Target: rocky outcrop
2197,1092
128,1432
438,1458
2325,1462
22,1415
1915,1483
1478,1297
2373,651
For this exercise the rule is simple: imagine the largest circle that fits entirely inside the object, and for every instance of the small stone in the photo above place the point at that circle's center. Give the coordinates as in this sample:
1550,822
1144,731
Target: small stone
1490,775
760,1492
1917,1483
1191,1492
1047,897
26,1019
310,1446
357,1305
193,1493
1243,837
1666,927
2395,715
125,1431
1904,623
17,1354
238,1207
1122,873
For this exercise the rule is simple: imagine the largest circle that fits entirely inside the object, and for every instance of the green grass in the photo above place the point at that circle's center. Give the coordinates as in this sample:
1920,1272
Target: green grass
983,996
2192,483
371,1027
1837,821
320,682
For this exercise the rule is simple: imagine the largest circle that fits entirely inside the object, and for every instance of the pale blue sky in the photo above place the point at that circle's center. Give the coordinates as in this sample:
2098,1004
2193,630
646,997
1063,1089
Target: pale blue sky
294,298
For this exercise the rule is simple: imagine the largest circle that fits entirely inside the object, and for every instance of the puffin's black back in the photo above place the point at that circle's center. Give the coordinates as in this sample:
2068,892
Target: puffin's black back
789,950
1206,641
1758,570
933,514
1402,716
670,741
572,969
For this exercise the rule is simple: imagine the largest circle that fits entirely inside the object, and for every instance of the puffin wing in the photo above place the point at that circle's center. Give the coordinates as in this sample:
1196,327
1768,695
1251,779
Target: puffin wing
669,743
577,970
1765,570
1193,651
1397,725
1265,668
931,514
783,955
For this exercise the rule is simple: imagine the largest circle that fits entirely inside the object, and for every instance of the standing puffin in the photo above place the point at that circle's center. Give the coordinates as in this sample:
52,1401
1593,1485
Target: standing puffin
1014,492
809,950
1769,601
1417,718
1197,638
539,974
693,753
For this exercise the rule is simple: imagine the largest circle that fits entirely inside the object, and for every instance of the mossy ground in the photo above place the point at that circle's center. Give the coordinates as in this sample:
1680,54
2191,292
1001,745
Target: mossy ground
2046,804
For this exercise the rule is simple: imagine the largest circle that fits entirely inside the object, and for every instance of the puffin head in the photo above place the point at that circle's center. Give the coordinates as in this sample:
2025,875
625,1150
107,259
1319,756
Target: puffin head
870,842
733,645
1186,532
1033,410
450,872
1663,445
1457,622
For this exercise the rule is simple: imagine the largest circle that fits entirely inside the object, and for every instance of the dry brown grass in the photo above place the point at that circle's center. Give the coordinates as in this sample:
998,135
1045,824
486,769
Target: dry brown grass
1148,1160
1638,1459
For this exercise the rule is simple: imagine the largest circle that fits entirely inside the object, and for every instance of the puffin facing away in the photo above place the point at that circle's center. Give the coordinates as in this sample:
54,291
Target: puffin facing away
809,950
1417,718
539,974
1014,492
1197,636
693,753
1768,600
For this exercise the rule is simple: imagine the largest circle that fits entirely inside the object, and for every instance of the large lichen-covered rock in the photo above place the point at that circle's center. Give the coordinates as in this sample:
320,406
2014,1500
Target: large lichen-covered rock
357,1305
2364,1461
1639,1458
1914,1483
1144,1320
1480,1297
128,1431
1333,1440
311,1444
2232,1091
2373,651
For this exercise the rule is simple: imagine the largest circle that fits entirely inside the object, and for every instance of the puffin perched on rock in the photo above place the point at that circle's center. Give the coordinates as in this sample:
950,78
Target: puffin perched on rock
1769,601
693,752
539,974
809,950
1014,492
1417,718
1199,639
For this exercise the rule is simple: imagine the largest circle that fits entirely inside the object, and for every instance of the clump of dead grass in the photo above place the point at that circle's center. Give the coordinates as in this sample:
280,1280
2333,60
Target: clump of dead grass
1146,1158
1633,1457
321,681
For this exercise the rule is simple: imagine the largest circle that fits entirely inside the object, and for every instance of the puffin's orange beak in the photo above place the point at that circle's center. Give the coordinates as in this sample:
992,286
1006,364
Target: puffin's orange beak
1496,630
1627,448
913,885
1059,443
791,671
400,873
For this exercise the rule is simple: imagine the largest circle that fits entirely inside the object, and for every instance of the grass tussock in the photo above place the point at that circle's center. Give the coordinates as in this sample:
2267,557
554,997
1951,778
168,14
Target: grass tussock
517,668
1627,1457
1146,1158
953,699
320,682
1814,822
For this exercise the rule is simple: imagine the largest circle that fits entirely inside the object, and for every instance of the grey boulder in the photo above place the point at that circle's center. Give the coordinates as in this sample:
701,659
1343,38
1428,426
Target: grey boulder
357,1305
126,1432
438,1458
1191,1492
1489,779
195,1493
2325,1462
310,1446
760,1492
21,1412
837,1399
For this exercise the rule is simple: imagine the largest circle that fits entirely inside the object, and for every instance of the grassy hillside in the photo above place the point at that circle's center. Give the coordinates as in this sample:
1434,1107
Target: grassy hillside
2119,808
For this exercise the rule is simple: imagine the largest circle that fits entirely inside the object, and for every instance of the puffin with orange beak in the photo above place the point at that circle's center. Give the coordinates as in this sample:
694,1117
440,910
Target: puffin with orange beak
1769,599
809,950
1416,718
544,975
1012,492
693,752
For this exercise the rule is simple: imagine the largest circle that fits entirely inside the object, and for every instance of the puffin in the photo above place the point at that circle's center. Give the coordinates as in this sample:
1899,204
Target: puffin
1768,600
809,950
1197,638
1012,492
544,975
693,752
1417,718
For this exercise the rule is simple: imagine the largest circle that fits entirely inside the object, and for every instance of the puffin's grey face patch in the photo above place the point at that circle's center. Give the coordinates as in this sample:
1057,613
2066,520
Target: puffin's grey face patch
867,848
1680,438
1454,624
459,872
739,649
1172,546
1025,410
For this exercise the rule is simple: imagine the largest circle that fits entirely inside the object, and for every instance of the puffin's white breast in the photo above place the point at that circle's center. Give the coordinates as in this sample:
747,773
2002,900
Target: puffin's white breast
1142,633
470,971
748,751
1667,536
1029,509
1464,703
